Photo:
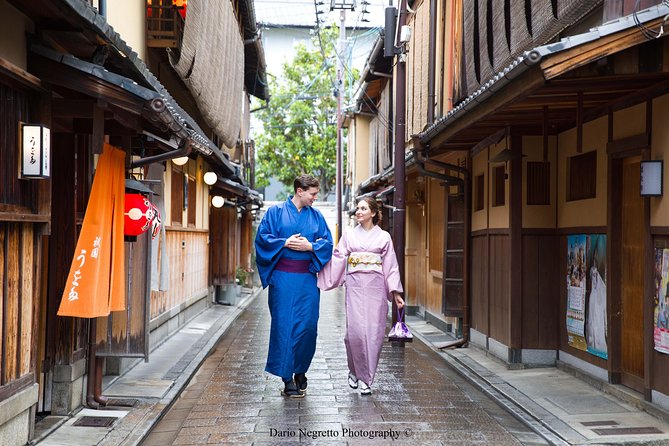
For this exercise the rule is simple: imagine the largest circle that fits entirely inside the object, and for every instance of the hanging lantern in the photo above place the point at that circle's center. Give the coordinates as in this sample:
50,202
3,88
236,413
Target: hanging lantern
140,215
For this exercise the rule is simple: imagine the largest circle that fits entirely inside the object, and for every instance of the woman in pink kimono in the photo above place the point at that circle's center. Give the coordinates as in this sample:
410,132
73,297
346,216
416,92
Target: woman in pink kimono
365,261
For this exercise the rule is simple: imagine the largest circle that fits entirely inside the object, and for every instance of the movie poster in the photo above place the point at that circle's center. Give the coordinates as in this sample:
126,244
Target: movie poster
661,313
576,268
595,301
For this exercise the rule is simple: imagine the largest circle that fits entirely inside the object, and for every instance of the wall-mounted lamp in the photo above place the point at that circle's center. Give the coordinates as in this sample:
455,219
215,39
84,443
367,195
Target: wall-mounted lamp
405,34
180,161
210,178
217,201
651,178
35,148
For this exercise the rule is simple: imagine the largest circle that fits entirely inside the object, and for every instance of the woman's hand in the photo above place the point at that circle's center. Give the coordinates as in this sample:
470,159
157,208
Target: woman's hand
398,300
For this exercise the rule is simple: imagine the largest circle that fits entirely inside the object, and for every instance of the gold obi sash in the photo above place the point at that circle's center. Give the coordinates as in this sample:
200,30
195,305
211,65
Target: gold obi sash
364,261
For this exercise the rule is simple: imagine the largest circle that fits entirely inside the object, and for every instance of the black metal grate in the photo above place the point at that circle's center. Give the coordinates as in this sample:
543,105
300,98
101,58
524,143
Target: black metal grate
95,421
121,402
600,423
628,431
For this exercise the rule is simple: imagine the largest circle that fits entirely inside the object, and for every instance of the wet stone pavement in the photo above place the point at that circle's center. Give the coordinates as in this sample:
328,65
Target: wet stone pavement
417,399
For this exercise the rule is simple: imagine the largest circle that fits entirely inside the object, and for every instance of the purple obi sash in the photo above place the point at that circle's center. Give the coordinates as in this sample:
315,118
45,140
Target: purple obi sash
293,266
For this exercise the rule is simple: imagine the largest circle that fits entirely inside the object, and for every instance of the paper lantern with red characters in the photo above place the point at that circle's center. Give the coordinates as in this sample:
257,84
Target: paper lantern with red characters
140,215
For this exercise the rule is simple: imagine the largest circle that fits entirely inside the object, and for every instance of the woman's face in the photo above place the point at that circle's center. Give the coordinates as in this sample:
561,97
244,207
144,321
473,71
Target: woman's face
362,213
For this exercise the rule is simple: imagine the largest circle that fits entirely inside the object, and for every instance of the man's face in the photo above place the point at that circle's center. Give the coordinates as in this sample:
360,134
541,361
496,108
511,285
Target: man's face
307,197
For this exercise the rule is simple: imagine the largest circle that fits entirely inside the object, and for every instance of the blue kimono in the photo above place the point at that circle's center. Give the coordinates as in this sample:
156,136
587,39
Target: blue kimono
294,298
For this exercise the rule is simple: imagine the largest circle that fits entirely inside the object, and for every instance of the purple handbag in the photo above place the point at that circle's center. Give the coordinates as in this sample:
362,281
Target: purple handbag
400,332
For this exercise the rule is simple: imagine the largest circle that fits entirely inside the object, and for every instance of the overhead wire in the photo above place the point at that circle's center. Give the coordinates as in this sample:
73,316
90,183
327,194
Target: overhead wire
648,33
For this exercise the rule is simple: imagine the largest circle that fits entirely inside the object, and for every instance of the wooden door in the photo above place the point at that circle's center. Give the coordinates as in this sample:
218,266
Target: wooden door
631,280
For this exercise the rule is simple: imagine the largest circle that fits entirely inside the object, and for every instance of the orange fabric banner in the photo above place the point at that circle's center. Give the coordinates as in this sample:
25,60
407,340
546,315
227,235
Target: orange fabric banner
96,283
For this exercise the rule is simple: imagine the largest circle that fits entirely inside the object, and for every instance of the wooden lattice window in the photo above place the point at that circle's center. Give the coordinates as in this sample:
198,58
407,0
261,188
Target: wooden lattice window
582,174
191,202
479,192
437,216
538,182
499,185
177,197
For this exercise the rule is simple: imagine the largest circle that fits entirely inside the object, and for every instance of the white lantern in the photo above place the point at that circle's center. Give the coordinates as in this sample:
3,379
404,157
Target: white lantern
210,178
180,161
35,146
217,201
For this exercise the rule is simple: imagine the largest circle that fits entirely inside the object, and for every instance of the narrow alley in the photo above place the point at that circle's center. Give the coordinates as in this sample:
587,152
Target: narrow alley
417,398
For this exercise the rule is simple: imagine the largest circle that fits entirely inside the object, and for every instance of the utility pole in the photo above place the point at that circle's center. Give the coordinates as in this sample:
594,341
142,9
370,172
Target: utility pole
340,120
342,5
399,210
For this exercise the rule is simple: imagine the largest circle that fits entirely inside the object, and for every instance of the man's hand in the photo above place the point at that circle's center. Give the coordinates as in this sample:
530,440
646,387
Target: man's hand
298,243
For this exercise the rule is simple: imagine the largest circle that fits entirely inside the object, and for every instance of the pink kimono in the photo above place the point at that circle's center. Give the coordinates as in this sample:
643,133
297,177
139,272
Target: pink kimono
365,261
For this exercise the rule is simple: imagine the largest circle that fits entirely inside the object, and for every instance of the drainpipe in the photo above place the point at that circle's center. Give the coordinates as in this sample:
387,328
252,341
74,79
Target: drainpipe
431,62
379,74
421,161
91,394
185,148
399,211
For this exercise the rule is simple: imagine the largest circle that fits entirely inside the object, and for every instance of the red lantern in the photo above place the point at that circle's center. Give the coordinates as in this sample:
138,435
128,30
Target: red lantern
140,215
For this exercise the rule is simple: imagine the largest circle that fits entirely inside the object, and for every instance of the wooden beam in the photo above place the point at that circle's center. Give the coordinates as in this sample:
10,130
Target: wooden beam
126,119
579,124
628,100
73,108
72,79
20,75
516,243
545,132
98,131
487,141
522,86
634,142
565,61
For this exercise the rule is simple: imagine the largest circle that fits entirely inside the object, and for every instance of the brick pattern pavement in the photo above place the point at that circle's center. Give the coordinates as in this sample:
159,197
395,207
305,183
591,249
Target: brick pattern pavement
416,398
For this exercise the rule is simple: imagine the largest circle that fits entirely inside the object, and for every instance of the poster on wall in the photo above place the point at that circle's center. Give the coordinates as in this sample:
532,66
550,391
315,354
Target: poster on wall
576,267
595,309
661,313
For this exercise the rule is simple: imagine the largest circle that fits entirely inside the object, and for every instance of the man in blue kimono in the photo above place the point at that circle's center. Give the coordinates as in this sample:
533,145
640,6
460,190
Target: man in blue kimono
293,243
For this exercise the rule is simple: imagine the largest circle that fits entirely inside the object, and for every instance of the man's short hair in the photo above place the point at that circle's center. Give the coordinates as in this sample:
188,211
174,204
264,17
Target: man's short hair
305,181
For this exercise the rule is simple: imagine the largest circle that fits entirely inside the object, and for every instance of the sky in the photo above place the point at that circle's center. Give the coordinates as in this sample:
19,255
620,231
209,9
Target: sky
284,23
300,17
303,12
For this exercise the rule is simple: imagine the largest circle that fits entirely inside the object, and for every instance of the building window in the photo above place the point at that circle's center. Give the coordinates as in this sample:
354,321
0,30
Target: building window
582,174
479,192
176,210
191,202
498,185
538,182
436,217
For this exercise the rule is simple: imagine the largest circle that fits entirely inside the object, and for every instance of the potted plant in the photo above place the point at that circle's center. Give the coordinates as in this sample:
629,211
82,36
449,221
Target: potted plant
243,276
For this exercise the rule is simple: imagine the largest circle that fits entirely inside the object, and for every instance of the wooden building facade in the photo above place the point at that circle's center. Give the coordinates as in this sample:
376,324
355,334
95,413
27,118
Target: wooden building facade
527,233
63,66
